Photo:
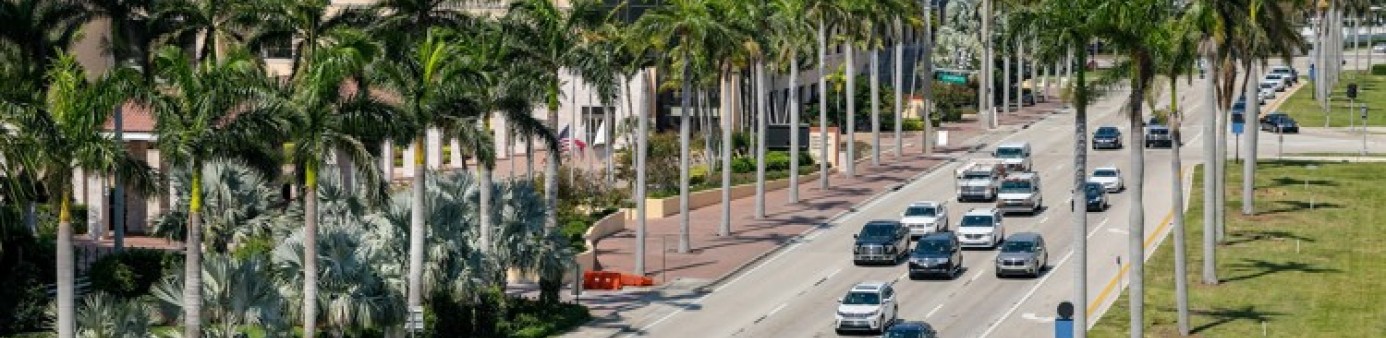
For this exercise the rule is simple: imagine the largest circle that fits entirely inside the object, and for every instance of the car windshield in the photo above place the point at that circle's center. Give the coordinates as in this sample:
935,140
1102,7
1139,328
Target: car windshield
932,246
903,334
1009,152
1159,131
1272,76
862,298
878,229
1093,189
1107,131
976,221
1015,186
920,211
1267,85
1018,246
1104,173
976,175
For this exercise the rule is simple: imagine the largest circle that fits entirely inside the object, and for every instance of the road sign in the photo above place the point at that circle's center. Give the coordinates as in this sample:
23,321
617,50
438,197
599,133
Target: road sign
951,76
415,321
1238,127
1063,328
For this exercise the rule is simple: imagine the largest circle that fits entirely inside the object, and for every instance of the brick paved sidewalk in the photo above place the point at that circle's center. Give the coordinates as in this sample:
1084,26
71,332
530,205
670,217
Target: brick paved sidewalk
715,256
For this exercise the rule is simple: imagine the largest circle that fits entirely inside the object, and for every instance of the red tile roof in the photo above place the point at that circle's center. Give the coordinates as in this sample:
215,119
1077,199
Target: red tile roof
138,118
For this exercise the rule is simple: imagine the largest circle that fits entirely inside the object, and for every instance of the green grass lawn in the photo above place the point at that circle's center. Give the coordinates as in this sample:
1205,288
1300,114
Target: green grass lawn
1371,91
1304,273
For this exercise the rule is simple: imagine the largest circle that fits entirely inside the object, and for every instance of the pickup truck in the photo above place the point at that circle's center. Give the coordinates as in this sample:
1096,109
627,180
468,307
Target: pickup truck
979,180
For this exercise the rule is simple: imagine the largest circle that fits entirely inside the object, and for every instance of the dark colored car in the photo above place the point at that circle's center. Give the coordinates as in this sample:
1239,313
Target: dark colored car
936,254
1279,123
1096,197
910,330
881,241
1106,137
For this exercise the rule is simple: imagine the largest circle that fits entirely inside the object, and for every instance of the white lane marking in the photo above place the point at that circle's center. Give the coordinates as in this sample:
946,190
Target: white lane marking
1099,226
931,312
1028,294
777,309
975,277
1060,166
829,276
1118,231
1032,316
1045,219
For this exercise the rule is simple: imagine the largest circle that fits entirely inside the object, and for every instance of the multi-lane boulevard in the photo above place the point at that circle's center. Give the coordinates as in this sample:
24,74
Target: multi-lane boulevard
794,292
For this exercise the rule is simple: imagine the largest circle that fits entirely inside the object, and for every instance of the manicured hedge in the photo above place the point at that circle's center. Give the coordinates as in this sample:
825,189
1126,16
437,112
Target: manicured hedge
774,161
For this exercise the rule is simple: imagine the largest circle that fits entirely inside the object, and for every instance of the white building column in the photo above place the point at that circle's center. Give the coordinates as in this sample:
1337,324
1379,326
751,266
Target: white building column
433,141
409,160
455,154
387,160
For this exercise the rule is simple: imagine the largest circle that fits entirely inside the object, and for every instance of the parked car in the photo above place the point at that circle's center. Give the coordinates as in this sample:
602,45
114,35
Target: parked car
981,227
868,306
881,241
1281,82
1280,123
1109,178
910,330
1095,197
936,254
925,217
1286,72
1106,137
1024,254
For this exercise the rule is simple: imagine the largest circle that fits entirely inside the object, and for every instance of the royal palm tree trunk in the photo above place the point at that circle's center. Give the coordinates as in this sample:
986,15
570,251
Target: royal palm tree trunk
822,106
31,217
1005,82
928,80
551,173
416,223
898,82
794,130
985,81
487,225
641,149
684,245
1252,115
725,113
192,260
762,117
1136,217
610,137
1221,194
1210,144
310,250
1080,218
67,310
874,56
851,76
118,188
1181,274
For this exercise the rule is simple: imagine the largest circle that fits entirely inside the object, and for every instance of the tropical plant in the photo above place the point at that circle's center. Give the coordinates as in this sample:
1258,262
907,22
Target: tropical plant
238,203
305,26
207,110
105,316
39,31
240,294
1175,53
217,25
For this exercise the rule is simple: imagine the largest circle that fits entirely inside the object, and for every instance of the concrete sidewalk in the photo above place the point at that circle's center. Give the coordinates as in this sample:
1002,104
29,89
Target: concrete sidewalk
714,257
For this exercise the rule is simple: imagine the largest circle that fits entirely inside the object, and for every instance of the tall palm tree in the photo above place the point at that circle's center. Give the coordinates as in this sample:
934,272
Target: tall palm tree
67,125
1175,55
206,110
1267,32
1069,26
216,25
825,14
790,40
305,25
677,30
428,83
551,48
328,122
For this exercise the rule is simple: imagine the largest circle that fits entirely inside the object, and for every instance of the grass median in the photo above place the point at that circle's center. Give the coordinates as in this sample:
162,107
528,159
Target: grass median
1291,271
1371,90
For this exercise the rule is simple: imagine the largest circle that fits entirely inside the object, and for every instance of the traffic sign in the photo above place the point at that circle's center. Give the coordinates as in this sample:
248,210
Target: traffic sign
1238,127
951,76
1063,328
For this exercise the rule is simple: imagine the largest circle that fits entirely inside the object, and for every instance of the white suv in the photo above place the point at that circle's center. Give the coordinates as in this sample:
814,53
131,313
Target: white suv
981,228
925,217
868,306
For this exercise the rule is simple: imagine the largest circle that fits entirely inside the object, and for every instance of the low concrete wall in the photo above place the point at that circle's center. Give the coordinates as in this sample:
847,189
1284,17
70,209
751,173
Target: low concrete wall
669,206
613,223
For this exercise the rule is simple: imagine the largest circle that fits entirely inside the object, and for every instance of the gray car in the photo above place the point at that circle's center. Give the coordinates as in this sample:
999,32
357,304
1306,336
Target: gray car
1023,254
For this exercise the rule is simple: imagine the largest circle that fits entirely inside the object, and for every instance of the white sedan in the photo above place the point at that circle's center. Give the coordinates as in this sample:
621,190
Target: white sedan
1109,178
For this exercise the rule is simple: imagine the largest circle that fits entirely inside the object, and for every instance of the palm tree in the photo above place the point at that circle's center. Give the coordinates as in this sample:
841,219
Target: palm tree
826,14
305,25
40,30
1175,53
1069,25
1267,31
327,122
550,47
206,110
789,41
216,25
428,82
67,126
677,30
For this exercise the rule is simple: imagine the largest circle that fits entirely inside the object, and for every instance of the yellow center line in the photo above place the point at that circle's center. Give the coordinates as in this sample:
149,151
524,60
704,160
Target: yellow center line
1111,284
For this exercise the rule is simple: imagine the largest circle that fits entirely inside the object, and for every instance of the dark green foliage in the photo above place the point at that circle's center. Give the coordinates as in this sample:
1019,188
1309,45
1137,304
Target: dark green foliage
661,164
952,101
774,161
1378,69
912,124
128,274
493,314
26,270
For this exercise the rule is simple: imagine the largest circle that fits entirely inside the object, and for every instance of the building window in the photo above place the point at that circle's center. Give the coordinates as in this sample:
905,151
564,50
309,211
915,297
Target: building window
277,49
593,117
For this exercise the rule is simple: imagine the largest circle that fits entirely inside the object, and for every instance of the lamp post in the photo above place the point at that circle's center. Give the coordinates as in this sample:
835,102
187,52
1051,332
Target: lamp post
1364,130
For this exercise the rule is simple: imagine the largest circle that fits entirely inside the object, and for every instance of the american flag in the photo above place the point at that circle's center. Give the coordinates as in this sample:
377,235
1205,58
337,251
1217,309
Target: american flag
568,143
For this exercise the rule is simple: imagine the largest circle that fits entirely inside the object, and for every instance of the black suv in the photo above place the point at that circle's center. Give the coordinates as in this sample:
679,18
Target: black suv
1106,137
936,254
881,241
1096,196
1279,123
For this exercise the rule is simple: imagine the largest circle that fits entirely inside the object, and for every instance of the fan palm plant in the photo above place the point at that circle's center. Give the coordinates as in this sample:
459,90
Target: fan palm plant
67,126
1070,25
104,316
206,110
238,203
240,293
676,31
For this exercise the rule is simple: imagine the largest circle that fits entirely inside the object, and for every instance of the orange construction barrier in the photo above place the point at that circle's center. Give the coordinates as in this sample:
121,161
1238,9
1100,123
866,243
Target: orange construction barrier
601,280
636,280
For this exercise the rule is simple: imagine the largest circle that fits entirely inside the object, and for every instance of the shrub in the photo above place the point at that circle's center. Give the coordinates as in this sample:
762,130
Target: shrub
912,124
129,273
26,270
1379,69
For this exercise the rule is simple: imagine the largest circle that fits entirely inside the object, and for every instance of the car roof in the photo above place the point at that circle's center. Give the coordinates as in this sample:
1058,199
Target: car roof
1275,75
980,212
1023,237
882,221
1021,175
1013,144
925,204
1157,126
938,235
870,286
1108,126
1280,68
1105,168
910,326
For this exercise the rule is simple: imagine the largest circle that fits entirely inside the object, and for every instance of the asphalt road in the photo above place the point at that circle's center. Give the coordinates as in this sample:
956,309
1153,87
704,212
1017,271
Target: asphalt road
794,293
